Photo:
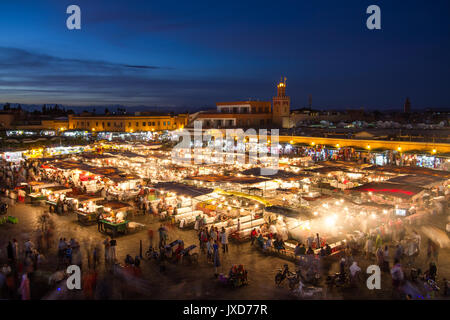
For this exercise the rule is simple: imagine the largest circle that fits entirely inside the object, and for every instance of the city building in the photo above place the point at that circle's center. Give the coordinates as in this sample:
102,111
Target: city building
249,113
128,123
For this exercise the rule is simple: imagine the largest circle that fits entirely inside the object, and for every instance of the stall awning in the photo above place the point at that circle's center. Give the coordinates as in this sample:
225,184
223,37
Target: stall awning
287,212
183,189
396,190
59,189
86,198
410,170
116,205
423,181
280,174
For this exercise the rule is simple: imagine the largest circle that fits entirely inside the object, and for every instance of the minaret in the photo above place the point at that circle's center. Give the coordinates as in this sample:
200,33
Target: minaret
281,106
407,107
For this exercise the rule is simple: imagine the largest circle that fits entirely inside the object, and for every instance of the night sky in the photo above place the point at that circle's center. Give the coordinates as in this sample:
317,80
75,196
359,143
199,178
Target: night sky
194,53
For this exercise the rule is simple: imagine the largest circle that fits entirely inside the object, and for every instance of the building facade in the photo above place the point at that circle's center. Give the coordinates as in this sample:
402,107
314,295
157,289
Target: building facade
127,123
250,114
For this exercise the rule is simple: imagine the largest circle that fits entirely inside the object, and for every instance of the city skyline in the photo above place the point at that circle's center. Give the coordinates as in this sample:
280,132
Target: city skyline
189,56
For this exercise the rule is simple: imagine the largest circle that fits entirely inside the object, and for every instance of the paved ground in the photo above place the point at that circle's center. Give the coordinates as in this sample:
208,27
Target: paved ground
186,282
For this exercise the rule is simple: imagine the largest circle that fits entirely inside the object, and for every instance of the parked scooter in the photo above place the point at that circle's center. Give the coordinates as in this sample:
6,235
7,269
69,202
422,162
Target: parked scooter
285,273
337,280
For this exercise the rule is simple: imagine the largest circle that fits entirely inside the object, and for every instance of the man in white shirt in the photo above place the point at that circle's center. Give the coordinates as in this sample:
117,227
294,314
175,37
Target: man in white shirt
28,247
354,269
224,240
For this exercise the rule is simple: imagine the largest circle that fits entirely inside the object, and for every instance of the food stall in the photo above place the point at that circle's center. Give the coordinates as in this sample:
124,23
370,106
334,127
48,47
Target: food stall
86,207
55,193
115,217
35,188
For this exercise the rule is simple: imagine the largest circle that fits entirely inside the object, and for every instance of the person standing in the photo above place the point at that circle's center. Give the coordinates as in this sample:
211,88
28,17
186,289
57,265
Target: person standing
380,258
113,244
378,242
24,288
150,237
99,222
15,245
216,258
106,245
10,251
397,276
386,258
253,235
398,252
369,247
224,240
28,248
162,236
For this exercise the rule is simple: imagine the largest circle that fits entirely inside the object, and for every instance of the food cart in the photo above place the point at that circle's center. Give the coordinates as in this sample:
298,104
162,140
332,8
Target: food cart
86,208
55,194
115,214
34,190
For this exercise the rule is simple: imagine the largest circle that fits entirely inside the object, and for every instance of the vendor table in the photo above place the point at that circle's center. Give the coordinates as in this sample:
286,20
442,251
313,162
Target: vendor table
115,228
86,217
36,196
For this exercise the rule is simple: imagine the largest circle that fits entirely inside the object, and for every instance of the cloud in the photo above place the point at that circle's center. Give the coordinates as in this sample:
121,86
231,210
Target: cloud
26,61
29,77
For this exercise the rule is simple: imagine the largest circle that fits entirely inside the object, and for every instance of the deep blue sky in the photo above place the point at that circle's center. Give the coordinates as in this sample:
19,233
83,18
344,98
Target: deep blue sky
195,53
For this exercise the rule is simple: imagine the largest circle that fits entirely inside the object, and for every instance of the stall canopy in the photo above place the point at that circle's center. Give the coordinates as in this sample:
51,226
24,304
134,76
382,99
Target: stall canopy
422,181
410,170
397,190
344,164
127,154
182,189
229,179
104,171
288,212
92,156
81,198
280,174
58,189
119,178
116,205
68,165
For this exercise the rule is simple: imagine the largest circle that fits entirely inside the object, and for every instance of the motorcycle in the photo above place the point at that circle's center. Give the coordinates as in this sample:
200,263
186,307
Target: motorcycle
282,274
337,280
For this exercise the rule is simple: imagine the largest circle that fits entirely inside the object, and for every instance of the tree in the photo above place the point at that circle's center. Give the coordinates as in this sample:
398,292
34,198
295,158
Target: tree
44,109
